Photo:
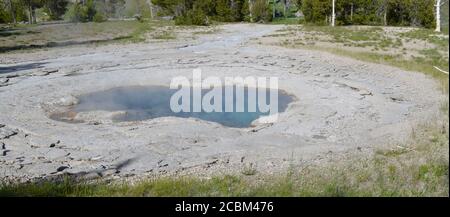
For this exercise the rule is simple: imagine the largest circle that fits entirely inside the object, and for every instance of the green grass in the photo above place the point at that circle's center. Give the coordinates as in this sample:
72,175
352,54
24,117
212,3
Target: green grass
429,36
340,33
419,169
164,35
286,21
356,36
138,34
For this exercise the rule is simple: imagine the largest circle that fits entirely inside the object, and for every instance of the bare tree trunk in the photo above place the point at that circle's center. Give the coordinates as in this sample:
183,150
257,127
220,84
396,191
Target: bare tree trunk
438,16
385,15
30,14
250,9
13,13
333,15
351,13
150,5
33,15
285,9
273,9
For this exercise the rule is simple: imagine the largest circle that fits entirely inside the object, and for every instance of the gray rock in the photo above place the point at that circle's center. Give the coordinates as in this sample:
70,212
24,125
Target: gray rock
67,101
90,176
4,80
52,145
4,152
43,142
109,172
6,132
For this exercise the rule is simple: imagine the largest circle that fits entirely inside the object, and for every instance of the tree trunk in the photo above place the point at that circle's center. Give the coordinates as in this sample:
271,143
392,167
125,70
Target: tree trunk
285,9
33,15
351,13
250,8
273,9
333,15
438,16
30,14
385,16
13,13
150,5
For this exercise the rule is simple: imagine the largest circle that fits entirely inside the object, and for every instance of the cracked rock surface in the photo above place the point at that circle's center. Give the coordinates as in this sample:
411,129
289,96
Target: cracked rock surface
341,105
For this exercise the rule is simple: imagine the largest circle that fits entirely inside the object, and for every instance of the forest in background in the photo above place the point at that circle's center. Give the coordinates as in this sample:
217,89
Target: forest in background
202,12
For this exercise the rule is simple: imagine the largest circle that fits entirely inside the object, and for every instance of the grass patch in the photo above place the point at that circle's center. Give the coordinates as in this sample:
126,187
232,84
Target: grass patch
286,21
440,40
164,35
341,34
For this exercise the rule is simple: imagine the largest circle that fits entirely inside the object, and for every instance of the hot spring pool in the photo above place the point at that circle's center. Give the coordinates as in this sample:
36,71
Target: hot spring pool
149,102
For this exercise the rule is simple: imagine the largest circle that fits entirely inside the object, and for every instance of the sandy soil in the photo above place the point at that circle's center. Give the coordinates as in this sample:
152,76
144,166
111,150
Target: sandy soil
342,106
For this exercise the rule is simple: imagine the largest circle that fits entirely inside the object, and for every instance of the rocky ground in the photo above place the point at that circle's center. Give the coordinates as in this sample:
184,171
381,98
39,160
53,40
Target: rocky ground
343,106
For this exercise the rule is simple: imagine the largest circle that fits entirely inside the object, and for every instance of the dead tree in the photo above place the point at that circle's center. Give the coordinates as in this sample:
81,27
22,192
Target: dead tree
11,10
438,5
333,15
250,9
150,5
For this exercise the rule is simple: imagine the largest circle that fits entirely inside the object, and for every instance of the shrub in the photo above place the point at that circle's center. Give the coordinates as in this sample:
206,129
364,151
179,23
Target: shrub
138,17
74,13
78,12
193,17
261,11
99,17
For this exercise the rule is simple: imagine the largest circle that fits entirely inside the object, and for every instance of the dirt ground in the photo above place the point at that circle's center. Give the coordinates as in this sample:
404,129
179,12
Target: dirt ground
343,106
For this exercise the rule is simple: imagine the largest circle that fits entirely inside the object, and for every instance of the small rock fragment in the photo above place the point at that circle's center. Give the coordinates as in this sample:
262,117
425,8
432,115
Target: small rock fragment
109,172
61,168
4,152
93,175
67,101
52,145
